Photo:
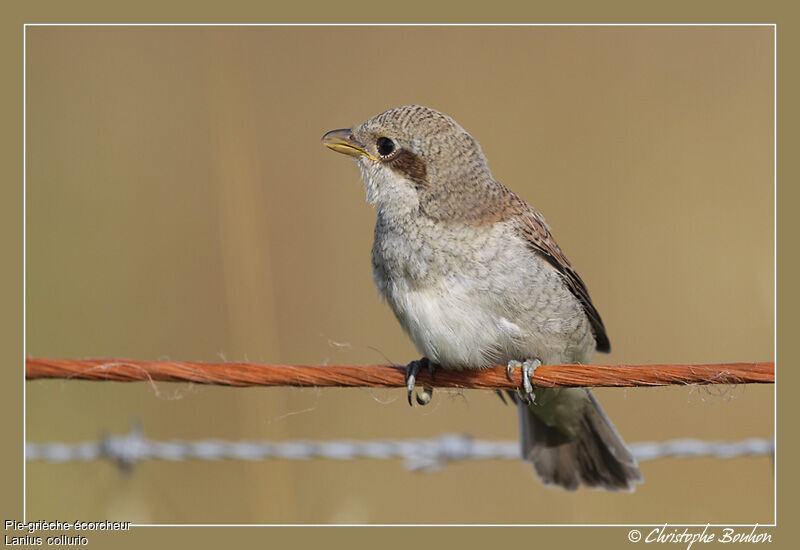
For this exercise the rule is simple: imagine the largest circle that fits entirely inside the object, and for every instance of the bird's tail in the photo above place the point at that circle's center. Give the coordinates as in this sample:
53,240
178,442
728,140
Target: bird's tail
570,440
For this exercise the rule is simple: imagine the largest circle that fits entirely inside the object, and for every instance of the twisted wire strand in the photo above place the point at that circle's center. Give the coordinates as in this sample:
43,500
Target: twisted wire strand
384,376
418,454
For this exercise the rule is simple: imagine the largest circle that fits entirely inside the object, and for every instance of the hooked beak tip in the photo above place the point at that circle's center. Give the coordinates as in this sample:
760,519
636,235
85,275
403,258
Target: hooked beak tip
343,141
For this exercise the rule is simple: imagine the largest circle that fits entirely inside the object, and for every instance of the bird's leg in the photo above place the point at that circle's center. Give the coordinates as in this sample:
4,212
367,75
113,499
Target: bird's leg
528,368
411,376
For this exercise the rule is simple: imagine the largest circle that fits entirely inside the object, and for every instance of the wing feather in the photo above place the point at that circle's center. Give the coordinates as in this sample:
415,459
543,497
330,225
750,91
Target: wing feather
537,234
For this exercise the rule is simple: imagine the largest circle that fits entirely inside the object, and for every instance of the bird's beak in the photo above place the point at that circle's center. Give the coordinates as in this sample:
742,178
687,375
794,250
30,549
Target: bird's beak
343,141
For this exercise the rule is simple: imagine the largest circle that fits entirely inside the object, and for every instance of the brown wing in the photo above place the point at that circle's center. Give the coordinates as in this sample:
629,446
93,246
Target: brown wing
537,234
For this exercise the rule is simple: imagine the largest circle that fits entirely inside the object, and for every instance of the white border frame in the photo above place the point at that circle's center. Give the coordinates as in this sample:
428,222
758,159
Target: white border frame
775,256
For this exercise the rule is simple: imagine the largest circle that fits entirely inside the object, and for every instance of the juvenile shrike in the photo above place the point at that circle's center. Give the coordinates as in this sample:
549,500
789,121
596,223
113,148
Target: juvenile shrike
476,279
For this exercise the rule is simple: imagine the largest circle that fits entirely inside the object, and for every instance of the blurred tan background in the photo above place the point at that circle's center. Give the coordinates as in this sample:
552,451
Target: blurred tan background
180,206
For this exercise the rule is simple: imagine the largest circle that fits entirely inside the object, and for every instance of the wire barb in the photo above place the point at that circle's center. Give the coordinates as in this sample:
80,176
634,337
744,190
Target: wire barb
384,376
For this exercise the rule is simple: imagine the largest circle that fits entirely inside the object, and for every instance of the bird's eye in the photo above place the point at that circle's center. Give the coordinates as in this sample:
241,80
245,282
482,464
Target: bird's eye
385,146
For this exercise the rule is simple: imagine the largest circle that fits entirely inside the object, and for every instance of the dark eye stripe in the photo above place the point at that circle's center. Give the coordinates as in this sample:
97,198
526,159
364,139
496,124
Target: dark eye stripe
410,165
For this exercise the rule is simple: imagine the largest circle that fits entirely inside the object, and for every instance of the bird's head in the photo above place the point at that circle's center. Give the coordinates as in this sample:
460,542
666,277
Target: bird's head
410,154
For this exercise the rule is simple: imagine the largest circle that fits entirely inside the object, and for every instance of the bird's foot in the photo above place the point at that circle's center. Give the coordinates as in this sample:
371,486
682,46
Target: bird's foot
528,368
412,369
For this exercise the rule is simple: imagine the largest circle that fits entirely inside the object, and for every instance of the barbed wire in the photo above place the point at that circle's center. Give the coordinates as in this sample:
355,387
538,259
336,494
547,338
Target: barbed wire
418,454
384,376
427,455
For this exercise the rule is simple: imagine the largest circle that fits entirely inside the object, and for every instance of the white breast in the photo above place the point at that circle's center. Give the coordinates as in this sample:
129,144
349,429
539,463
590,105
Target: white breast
471,297
452,326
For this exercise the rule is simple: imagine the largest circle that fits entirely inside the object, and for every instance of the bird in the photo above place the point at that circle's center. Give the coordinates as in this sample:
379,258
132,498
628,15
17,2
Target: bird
475,278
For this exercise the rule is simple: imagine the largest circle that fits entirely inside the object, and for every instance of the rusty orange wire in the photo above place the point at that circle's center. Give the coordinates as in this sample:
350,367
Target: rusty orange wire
383,376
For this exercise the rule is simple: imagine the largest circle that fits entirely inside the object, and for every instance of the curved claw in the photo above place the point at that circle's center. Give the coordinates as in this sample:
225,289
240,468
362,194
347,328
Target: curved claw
412,369
528,369
411,375
502,396
525,393
510,369
424,397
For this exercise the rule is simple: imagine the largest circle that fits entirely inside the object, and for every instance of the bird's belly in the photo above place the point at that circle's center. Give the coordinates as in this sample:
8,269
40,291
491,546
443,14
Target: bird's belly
460,325
462,311
449,327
